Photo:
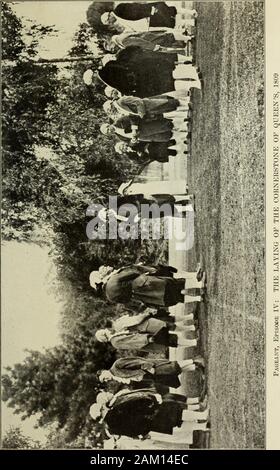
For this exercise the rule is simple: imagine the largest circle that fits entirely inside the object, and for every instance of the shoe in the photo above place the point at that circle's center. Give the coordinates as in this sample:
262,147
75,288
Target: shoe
199,273
200,361
204,279
204,403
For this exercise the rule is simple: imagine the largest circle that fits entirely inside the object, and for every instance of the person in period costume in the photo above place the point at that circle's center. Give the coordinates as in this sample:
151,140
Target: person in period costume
195,280
136,72
157,13
181,95
133,208
153,286
154,105
146,107
143,152
145,332
160,192
137,130
128,209
169,105
157,41
162,371
135,413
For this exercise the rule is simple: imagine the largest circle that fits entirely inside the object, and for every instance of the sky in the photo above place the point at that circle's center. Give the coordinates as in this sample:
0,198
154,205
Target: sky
64,15
30,310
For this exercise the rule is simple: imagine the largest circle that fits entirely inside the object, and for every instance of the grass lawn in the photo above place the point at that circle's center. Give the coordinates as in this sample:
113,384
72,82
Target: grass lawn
227,174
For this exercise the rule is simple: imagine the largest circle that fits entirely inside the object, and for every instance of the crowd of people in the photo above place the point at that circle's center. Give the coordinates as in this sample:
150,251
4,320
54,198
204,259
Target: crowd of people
148,72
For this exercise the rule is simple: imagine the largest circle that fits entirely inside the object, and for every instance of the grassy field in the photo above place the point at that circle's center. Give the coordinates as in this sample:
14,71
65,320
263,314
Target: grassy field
226,172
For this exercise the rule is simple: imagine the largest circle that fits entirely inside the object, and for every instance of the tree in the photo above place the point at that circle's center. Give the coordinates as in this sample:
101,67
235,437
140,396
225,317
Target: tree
27,91
55,161
12,42
59,384
94,12
15,439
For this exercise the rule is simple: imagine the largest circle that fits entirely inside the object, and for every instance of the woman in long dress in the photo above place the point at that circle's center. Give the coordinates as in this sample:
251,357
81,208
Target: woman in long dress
144,332
146,130
157,41
135,72
161,371
138,412
146,107
151,285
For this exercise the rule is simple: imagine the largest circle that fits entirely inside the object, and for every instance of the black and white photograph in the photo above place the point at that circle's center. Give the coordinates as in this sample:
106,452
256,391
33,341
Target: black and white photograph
133,225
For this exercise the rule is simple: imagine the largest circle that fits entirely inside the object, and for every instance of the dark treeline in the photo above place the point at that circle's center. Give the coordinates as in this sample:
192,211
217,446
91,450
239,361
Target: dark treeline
55,163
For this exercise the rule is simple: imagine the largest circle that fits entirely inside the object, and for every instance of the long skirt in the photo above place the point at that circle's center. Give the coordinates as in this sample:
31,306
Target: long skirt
158,290
160,104
158,151
165,16
151,326
162,38
167,416
154,76
158,130
165,338
152,71
173,292
167,374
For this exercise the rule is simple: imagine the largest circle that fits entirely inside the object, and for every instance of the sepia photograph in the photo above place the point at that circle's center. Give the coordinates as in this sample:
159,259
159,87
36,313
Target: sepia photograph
133,247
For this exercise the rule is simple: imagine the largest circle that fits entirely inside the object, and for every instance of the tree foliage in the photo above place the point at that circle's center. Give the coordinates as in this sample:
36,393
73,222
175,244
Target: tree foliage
94,12
59,384
56,163
15,439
